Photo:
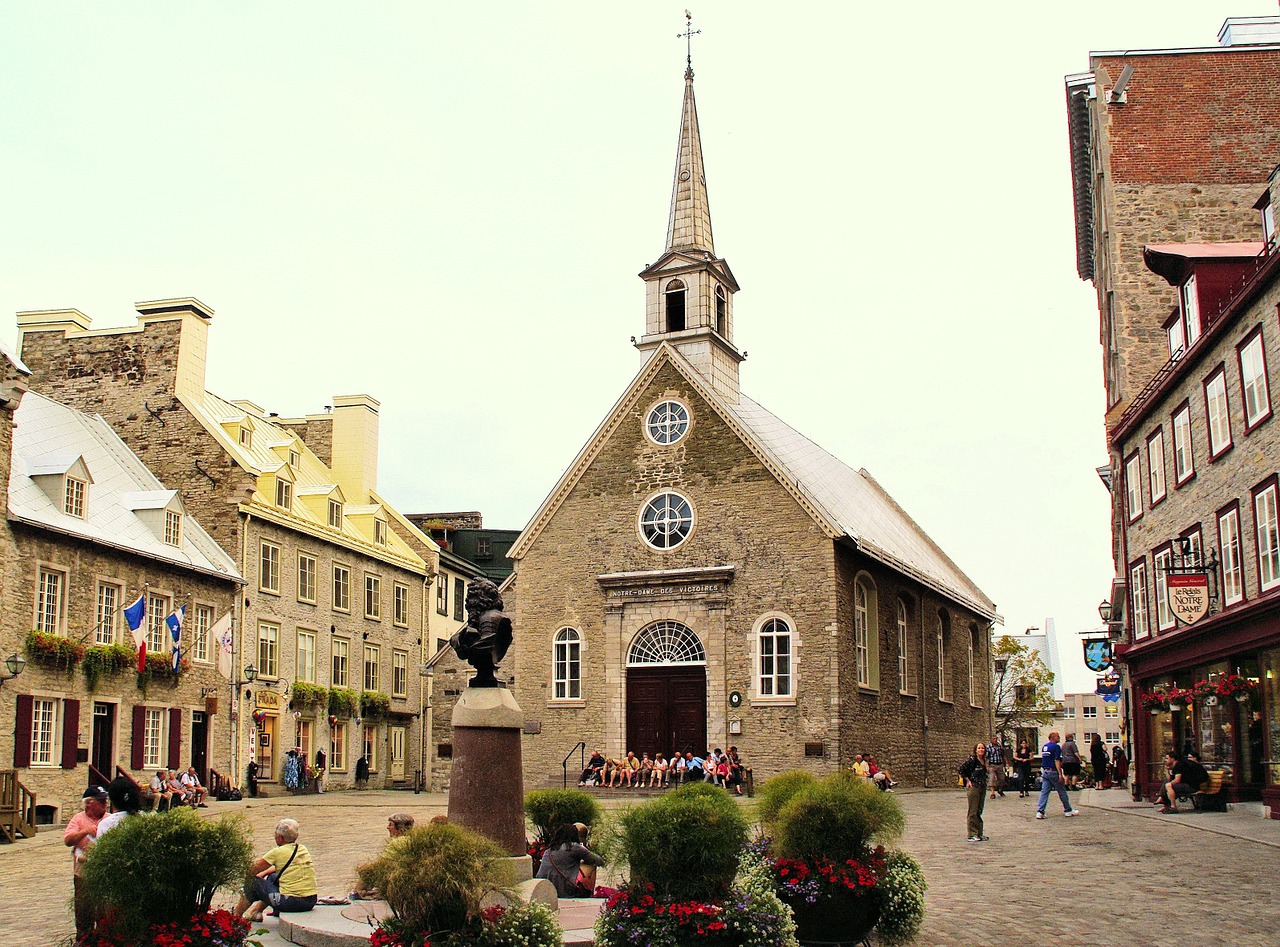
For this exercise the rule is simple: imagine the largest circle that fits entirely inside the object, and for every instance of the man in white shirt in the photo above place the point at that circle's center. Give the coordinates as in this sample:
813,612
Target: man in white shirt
195,791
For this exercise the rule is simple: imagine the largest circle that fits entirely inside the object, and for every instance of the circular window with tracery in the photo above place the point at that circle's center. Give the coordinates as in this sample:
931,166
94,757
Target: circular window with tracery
666,520
667,422
667,642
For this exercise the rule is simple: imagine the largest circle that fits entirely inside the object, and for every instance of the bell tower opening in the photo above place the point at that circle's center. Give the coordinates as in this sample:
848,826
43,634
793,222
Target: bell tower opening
675,306
722,310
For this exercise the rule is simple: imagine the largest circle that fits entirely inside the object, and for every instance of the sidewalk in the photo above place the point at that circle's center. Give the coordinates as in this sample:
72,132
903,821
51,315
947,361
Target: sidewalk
1241,820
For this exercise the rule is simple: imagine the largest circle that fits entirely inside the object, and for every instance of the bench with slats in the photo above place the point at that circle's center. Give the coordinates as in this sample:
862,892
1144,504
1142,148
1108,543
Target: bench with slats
1211,798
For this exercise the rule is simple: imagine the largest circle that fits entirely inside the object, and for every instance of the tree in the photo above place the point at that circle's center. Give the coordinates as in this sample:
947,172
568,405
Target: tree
1023,688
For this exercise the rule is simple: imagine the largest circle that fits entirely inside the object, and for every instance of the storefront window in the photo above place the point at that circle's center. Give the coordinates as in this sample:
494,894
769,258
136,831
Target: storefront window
1251,740
1213,724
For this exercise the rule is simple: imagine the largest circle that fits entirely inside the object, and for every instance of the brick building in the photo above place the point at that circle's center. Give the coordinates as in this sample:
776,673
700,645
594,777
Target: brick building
89,529
703,575
1163,204
333,616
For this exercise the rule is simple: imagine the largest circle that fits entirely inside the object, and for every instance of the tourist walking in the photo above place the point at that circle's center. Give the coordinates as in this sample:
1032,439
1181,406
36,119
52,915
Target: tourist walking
995,766
974,773
1098,758
1022,764
1119,765
1071,761
81,832
1051,778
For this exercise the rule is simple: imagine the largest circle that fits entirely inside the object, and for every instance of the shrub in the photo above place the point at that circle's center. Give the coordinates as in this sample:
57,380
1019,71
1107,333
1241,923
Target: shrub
685,844
166,868
548,809
106,659
901,899
838,818
375,706
777,792
305,696
434,876
343,702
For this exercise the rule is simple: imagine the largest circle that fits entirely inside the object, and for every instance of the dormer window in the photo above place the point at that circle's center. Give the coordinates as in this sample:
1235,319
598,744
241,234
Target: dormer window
722,309
284,494
172,528
1268,220
73,497
246,437
335,514
380,532
1191,310
482,548
295,458
675,306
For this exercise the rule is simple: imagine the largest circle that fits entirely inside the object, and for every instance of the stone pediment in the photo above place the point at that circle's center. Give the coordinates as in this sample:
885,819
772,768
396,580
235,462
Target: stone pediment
675,262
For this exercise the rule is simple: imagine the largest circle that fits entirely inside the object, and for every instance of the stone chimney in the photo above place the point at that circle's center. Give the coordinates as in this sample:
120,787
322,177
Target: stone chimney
355,445
193,343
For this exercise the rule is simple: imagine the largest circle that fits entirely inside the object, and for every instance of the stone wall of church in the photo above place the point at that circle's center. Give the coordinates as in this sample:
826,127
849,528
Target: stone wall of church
887,719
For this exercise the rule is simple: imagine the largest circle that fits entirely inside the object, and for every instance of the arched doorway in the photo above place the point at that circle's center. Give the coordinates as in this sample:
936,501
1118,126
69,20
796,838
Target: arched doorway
666,690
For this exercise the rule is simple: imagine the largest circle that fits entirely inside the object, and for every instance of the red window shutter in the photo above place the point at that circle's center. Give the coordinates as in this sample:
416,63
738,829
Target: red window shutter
22,736
175,739
70,732
139,728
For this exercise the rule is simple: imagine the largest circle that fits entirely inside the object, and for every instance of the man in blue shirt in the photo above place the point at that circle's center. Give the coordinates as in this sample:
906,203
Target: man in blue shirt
1051,778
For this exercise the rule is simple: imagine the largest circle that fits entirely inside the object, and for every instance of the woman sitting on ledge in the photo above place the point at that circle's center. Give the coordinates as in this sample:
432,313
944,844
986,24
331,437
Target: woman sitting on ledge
284,877
568,864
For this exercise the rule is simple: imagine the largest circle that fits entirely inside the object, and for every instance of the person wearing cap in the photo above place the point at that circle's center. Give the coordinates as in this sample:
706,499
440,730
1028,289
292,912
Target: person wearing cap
81,832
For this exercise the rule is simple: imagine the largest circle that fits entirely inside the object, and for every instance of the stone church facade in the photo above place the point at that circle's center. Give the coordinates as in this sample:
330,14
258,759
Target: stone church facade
704,576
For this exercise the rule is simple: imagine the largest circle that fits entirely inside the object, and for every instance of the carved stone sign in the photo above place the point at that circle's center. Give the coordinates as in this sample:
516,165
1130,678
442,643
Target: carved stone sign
651,591
1189,595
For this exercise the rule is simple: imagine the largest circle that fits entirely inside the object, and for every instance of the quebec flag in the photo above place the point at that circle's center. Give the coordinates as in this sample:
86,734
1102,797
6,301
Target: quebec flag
174,622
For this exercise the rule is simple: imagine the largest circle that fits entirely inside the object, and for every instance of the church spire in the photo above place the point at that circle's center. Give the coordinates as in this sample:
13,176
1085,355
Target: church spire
689,224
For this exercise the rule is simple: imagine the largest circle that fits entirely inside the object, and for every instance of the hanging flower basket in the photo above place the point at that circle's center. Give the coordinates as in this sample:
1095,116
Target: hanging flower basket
54,650
1237,686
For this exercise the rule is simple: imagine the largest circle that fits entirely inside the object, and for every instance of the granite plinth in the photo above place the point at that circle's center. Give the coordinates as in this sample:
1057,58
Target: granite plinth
486,789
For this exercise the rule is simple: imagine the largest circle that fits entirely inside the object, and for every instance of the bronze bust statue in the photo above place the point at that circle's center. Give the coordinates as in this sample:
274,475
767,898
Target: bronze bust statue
483,641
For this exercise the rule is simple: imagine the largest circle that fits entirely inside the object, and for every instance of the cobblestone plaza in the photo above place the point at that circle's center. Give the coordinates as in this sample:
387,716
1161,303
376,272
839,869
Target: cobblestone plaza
1189,875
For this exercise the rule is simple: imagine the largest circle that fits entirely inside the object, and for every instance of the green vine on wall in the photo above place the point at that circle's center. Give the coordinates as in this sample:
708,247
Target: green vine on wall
306,696
343,702
375,706
101,660
54,650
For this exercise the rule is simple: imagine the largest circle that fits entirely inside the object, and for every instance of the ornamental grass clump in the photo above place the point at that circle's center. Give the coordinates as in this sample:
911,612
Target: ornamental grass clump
164,869
841,817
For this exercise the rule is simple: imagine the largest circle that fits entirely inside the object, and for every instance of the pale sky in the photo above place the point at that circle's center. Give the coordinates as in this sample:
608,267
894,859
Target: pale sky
446,206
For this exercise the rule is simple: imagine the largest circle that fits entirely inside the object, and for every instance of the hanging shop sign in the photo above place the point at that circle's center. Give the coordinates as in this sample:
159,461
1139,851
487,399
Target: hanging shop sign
1188,595
1109,687
1097,654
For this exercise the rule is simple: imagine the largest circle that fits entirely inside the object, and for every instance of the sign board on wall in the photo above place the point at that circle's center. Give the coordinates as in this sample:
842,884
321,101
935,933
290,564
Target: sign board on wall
1188,595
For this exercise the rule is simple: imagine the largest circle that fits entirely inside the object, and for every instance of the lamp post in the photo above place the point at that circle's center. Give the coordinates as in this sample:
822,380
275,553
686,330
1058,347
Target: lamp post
1104,611
14,663
250,675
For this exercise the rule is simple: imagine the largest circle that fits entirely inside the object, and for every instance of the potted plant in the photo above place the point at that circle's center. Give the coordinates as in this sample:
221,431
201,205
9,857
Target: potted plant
683,851
130,874
54,650
825,841
434,878
1237,686
1205,692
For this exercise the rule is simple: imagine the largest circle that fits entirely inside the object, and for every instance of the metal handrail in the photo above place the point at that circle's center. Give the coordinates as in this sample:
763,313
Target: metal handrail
581,749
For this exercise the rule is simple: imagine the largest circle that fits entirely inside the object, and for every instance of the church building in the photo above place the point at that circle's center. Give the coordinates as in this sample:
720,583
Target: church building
703,575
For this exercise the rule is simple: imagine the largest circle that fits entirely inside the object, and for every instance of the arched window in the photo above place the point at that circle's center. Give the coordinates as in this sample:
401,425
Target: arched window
666,642
773,642
944,639
722,309
666,520
675,306
866,633
567,659
975,652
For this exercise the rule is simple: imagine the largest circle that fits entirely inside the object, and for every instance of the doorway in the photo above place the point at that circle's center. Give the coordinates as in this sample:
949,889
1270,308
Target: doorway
200,745
103,754
667,709
267,748
397,753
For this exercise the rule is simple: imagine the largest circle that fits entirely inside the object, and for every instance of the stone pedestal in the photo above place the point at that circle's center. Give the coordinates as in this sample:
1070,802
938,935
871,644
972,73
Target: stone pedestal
486,789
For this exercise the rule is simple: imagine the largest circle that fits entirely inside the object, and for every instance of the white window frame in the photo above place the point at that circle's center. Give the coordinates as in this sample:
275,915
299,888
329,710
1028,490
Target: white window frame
1161,561
904,661
158,609
1191,310
1139,615
172,528
1254,387
1218,411
1091,713
372,667
74,496
308,578
442,594
1155,466
155,720
667,422
1176,334
1230,552
399,673
338,747
380,532
973,667
246,437
201,623
1267,536
340,662
108,623
268,650
335,514
284,494
269,567
1184,460
566,665
45,729
373,596
341,587
400,605
775,661
666,520
307,650
51,601
1133,486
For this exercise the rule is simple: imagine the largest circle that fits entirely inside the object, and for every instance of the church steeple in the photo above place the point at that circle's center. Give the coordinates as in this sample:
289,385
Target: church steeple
689,290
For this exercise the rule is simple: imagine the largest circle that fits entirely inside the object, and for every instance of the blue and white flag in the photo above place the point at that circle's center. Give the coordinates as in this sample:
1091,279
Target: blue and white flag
135,615
174,622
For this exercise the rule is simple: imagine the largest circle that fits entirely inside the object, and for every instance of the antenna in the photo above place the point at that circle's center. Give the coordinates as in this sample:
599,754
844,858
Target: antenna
687,36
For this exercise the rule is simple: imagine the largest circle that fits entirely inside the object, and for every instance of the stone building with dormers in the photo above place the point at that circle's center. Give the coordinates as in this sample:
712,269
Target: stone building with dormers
1201,454
333,615
703,575
87,530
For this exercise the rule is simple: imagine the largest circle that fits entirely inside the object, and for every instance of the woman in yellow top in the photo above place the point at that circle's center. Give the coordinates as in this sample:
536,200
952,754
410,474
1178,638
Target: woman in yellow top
284,877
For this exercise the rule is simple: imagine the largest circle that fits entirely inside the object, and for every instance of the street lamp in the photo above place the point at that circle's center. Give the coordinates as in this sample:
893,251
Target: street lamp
14,663
1104,611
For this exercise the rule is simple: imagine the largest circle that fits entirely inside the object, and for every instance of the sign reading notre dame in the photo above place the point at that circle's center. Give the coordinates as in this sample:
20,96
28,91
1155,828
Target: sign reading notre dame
1189,596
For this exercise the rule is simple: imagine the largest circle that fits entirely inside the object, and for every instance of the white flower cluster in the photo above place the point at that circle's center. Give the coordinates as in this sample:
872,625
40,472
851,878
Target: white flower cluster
901,899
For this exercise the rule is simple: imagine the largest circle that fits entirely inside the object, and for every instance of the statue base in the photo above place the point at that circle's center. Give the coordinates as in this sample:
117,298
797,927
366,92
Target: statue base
486,787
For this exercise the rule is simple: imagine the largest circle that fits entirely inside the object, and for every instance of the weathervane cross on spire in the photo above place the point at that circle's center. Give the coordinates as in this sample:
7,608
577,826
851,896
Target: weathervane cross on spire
687,36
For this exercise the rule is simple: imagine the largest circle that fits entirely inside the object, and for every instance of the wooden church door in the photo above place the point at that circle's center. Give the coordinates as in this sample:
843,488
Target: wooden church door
667,709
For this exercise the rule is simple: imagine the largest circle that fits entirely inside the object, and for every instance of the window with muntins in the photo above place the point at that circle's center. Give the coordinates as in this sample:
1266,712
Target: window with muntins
338,748
567,662
666,642
774,643
1268,537
667,422
372,596
44,718
1138,596
284,494
1162,561
1183,461
459,599
157,633
306,578
1253,381
1191,310
73,500
442,594
153,721
172,528
104,632
399,673
904,640
1215,399
341,588
307,656
1133,486
400,605
666,520
944,632
201,623
975,650
269,568
335,514
380,532
50,591
268,650
1232,564
1155,466
372,655
341,651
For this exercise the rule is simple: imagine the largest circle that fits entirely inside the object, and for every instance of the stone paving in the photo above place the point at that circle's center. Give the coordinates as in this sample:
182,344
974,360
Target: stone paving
1120,873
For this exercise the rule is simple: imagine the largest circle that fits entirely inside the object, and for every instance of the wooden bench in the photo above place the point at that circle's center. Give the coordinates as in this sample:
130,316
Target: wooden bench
1211,798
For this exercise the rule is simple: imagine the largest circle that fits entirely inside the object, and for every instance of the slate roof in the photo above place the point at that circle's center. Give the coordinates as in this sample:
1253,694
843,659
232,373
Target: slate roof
120,479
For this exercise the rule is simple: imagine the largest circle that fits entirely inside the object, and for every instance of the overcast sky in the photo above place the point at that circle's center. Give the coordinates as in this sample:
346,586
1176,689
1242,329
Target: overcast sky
446,205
